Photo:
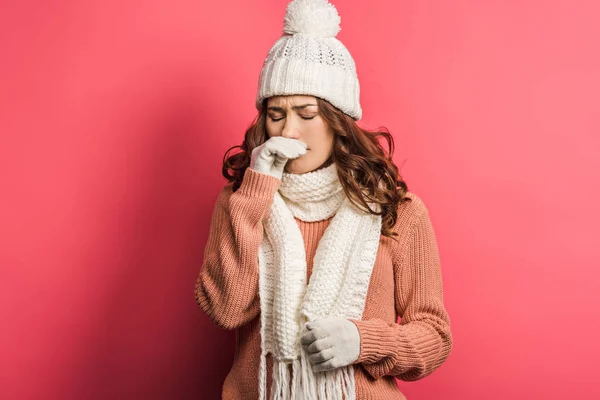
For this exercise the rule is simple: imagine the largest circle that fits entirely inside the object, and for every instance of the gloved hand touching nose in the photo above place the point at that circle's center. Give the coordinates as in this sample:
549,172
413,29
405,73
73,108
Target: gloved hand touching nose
331,343
271,156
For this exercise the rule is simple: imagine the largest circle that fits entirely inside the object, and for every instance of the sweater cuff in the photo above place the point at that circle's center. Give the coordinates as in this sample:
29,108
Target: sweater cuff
257,184
376,340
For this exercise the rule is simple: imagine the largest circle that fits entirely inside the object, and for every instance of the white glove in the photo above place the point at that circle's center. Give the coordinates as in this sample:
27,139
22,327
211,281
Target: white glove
271,156
331,343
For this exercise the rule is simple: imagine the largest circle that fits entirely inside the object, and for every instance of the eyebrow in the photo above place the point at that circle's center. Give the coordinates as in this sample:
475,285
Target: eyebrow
293,108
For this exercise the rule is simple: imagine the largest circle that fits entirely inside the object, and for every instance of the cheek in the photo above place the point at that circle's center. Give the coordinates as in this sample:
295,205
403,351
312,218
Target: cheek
269,129
327,142
322,135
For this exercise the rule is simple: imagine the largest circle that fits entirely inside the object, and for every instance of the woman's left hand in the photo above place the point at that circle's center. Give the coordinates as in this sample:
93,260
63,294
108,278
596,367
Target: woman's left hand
331,343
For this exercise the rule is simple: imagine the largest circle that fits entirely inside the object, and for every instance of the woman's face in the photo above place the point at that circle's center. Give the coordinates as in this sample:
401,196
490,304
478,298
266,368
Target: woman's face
297,117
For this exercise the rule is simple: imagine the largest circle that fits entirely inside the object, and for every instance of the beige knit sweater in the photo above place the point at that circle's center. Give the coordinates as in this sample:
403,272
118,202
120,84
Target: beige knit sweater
406,282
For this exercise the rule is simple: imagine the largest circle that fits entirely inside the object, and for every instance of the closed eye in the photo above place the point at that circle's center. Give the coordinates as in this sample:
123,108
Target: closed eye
279,119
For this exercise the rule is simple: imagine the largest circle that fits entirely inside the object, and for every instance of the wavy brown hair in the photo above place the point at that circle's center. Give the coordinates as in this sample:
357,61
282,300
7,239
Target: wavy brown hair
362,163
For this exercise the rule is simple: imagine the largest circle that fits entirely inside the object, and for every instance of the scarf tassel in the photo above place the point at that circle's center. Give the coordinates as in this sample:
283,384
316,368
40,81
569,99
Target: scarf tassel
304,384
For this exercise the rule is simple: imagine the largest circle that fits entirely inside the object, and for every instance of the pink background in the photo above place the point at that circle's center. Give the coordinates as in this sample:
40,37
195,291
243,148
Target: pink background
114,118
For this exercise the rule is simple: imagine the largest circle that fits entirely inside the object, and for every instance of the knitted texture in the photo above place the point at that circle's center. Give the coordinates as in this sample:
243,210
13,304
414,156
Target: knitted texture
313,196
342,268
308,59
405,282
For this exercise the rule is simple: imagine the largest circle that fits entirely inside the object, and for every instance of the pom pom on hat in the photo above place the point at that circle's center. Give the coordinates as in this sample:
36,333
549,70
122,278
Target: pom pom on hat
308,59
317,17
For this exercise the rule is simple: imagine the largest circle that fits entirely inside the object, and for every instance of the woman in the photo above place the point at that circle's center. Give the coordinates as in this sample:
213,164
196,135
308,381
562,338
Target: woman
316,246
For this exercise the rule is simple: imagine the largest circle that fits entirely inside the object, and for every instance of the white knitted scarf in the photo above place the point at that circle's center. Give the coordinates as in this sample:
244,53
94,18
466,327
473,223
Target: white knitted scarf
342,268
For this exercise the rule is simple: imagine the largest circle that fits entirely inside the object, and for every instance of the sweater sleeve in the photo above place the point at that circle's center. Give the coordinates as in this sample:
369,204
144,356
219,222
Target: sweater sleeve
422,341
227,285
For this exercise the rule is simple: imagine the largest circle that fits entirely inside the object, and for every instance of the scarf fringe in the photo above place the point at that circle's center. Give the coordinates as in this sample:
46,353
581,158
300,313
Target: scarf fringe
305,384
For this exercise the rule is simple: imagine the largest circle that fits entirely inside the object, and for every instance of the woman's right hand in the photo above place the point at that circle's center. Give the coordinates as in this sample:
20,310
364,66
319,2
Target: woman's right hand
271,156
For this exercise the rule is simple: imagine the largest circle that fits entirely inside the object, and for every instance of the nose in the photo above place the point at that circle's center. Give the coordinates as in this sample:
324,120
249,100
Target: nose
290,129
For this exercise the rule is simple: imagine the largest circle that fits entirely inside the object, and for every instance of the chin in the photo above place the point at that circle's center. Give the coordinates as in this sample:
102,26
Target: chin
300,171
295,169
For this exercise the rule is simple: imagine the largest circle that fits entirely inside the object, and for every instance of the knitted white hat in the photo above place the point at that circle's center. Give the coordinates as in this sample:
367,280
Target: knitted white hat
309,60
